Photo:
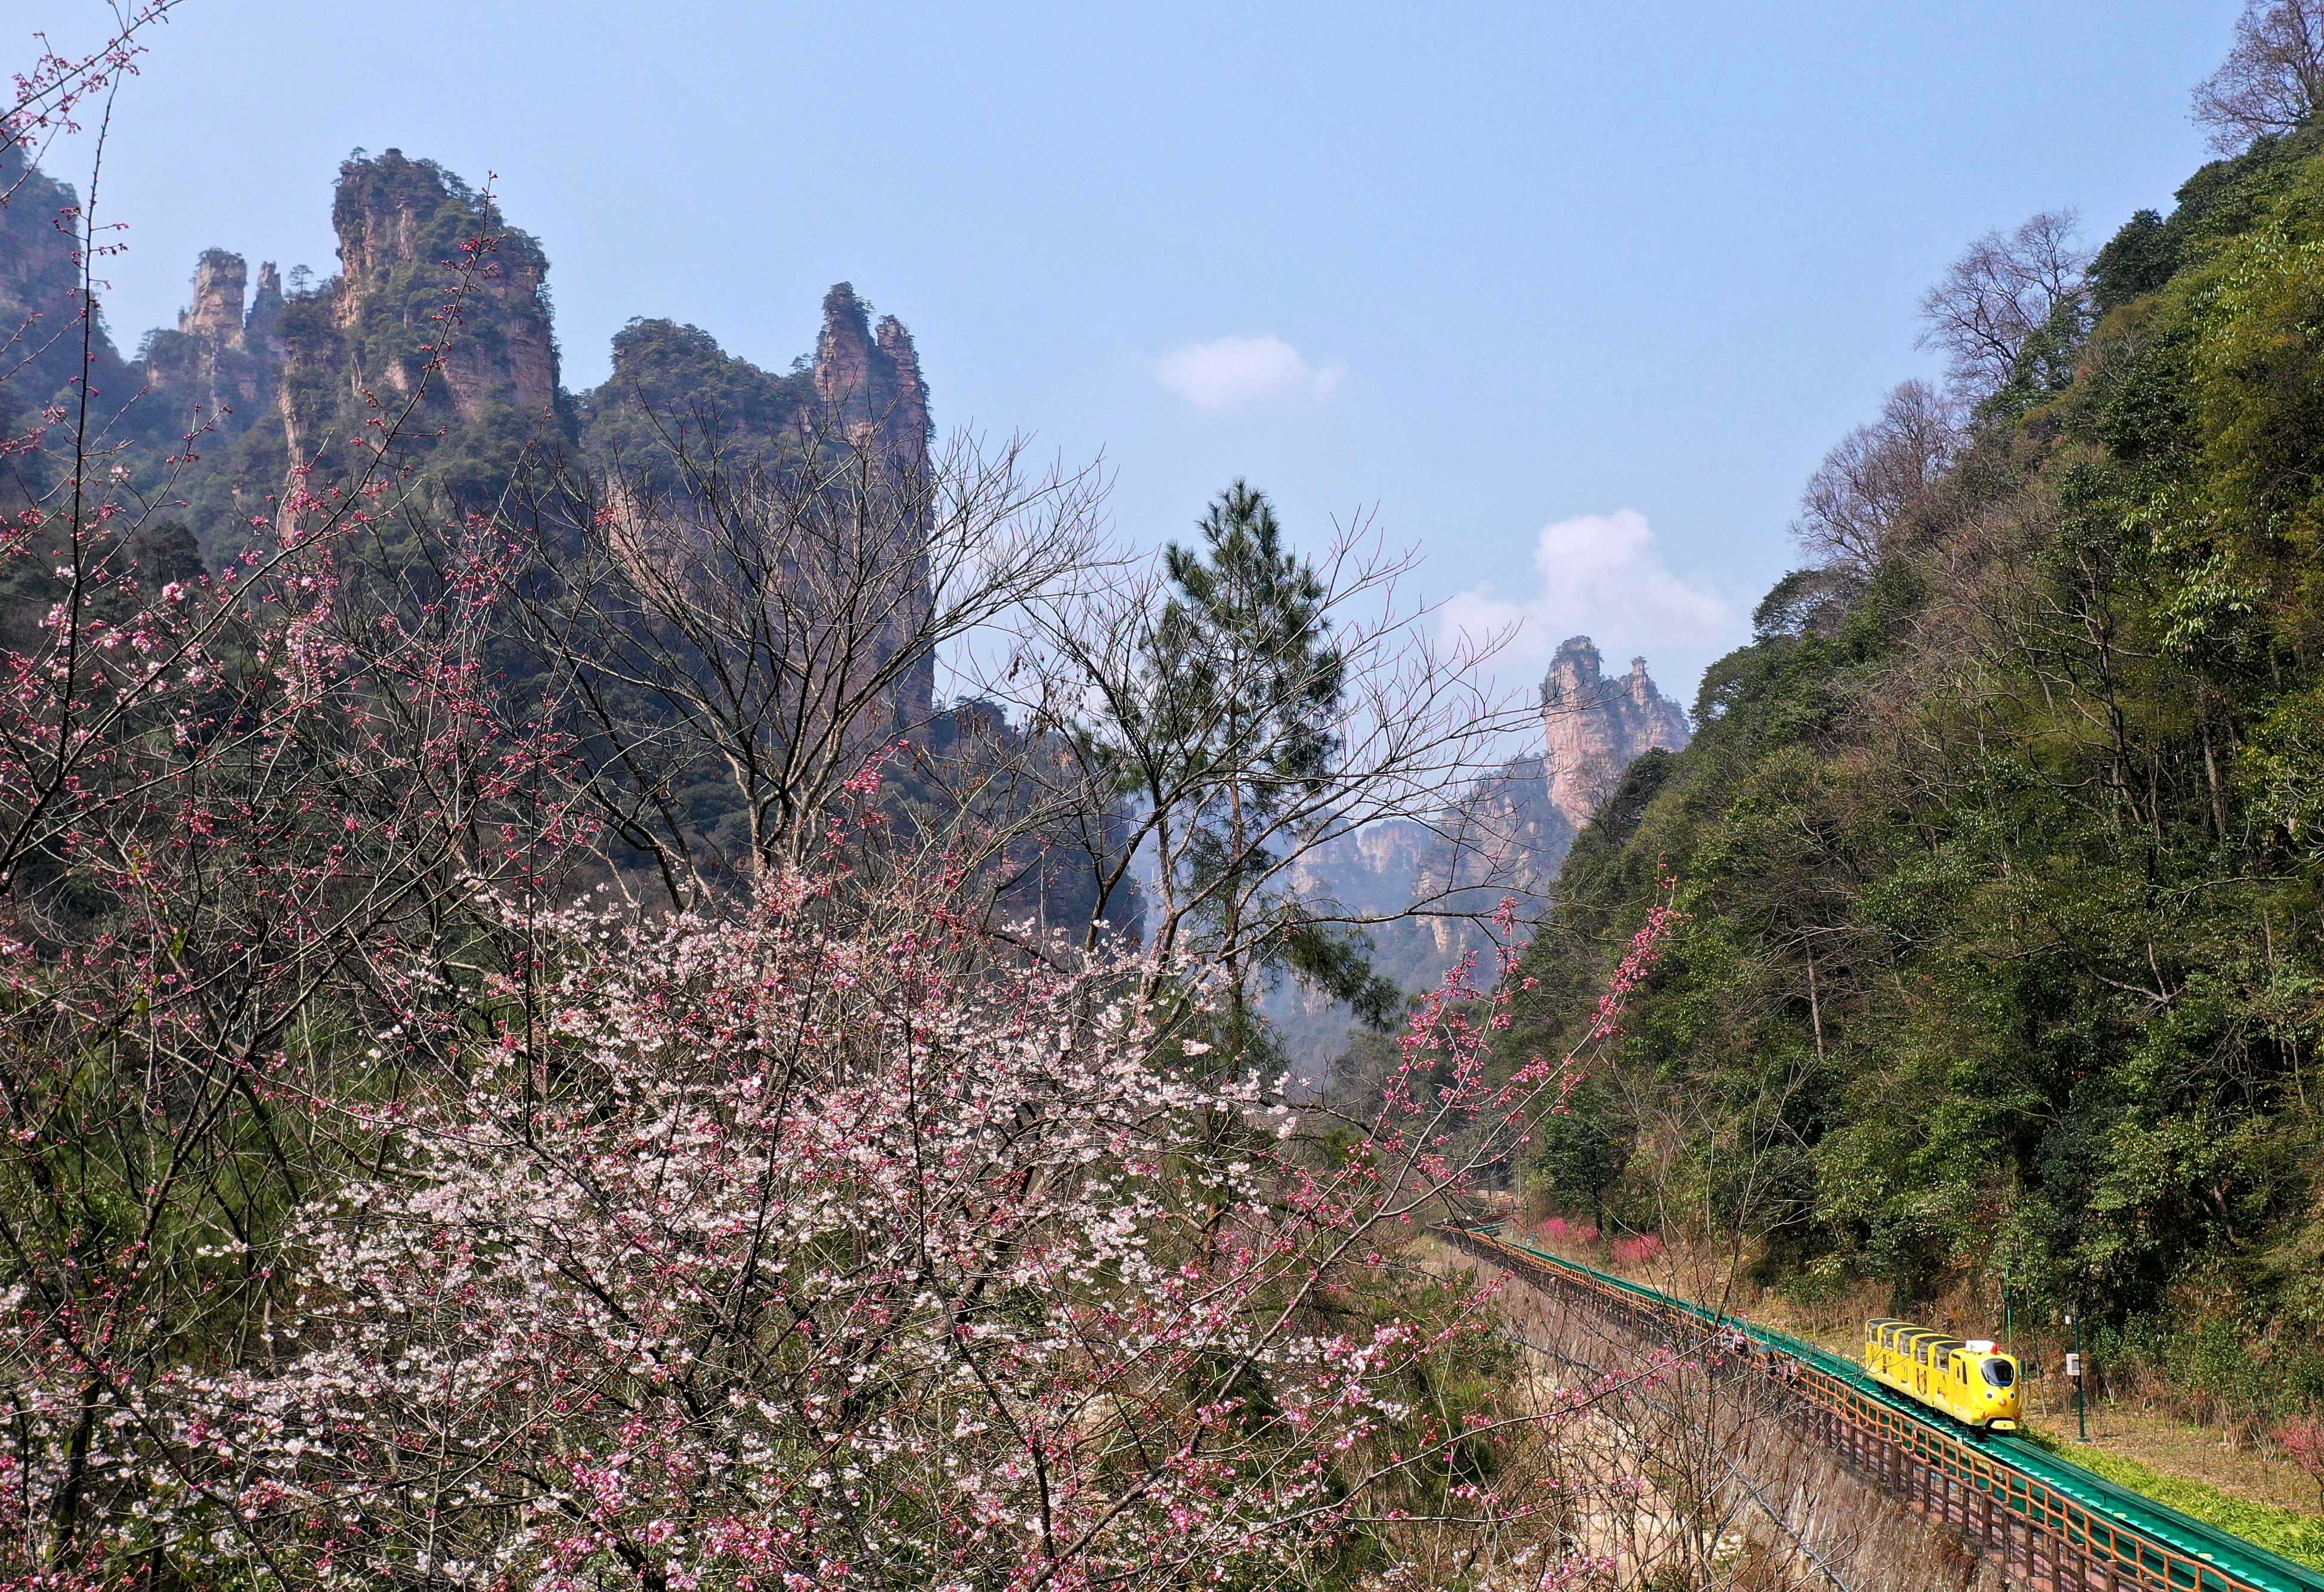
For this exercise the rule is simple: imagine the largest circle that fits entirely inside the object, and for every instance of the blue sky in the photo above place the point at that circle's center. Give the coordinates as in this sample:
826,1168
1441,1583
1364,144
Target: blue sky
1573,295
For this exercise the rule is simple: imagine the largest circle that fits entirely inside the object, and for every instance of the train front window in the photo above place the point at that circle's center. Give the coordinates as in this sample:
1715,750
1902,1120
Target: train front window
1999,1372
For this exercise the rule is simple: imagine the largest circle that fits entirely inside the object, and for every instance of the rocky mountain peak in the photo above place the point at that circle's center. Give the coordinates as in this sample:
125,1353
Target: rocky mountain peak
1593,727
268,384
405,229
381,207
1506,836
263,327
906,414
869,380
220,279
843,351
212,371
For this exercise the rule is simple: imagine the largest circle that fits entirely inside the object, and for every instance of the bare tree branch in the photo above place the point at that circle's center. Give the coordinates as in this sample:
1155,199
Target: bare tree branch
2272,81
2001,290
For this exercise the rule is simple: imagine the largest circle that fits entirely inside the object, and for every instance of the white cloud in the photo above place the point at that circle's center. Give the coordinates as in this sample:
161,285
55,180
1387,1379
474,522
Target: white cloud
1228,372
1602,576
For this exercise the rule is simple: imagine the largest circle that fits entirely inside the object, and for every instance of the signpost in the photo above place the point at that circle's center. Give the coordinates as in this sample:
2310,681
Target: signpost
2074,1375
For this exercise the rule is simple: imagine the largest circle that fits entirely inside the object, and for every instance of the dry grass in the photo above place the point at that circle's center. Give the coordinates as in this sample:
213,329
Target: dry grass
2164,1443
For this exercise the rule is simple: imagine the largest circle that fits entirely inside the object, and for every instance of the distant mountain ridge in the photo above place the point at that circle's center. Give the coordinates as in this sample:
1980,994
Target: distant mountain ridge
267,380
1506,836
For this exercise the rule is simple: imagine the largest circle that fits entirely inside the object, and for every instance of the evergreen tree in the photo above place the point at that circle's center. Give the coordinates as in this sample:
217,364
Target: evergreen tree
1248,687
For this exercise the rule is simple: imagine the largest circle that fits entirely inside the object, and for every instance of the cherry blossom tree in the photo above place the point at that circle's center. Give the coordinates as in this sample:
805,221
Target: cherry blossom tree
43,102
817,1249
239,811
2301,1440
387,1200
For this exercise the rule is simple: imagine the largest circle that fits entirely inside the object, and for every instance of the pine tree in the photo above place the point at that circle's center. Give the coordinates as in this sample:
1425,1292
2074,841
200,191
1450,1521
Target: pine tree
1249,683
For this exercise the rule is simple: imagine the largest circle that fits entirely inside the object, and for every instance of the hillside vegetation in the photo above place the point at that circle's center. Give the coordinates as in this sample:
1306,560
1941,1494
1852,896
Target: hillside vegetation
2001,840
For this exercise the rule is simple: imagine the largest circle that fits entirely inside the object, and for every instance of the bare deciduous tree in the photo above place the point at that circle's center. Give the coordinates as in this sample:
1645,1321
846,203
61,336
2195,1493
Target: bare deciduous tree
2272,81
737,640
1869,484
1998,294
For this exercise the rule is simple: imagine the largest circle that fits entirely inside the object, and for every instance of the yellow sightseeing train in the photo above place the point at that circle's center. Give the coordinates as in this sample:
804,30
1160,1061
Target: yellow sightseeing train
1969,1380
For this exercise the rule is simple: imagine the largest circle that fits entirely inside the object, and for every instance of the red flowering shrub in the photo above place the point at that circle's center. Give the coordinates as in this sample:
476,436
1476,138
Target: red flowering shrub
1638,1251
2301,1441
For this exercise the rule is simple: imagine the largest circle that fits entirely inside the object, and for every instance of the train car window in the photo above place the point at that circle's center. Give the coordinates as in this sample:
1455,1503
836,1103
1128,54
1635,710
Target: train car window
1998,1371
1941,1352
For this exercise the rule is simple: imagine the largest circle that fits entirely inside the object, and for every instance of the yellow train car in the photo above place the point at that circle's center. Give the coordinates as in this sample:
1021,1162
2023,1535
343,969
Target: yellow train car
1967,1379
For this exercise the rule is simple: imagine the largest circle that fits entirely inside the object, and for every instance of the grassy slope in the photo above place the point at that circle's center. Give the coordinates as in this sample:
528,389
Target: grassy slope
2296,1536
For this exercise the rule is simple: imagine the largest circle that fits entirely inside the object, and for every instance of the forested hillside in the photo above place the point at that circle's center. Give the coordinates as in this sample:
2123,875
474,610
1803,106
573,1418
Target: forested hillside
2002,843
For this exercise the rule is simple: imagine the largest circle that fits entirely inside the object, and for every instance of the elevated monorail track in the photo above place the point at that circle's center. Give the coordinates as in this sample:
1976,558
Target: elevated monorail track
2043,1519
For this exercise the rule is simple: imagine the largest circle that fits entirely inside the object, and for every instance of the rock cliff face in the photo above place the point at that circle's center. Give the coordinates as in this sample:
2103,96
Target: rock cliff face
215,316
905,416
274,382
219,367
285,394
1506,836
1374,869
404,226
870,383
863,388
871,380
263,329
1509,833
41,326
1594,727
411,290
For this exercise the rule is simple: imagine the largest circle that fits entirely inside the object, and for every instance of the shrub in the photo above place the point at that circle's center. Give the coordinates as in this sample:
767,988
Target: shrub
2301,1441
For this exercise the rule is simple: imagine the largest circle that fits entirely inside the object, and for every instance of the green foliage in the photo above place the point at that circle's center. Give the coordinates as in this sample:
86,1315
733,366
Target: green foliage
2137,260
1246,684
673,389
2004,858
1577,1158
